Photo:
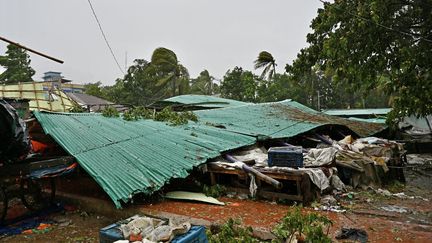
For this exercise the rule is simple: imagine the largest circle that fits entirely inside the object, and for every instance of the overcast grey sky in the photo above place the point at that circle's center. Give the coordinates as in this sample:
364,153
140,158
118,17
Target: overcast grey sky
214,35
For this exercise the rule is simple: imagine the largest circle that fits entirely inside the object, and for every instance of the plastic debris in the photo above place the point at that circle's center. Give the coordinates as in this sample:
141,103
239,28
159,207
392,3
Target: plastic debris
193,196
392,208
353,234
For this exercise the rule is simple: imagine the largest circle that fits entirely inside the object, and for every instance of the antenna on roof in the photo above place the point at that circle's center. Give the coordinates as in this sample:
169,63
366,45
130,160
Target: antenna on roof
31,50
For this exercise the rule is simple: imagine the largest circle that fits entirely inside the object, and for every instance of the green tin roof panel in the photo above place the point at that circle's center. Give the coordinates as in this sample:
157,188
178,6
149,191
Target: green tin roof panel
358,112
278,120
128,157
205,101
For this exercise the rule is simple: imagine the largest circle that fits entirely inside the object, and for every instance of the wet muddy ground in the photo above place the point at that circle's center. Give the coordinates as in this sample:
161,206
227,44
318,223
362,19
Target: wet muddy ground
384,218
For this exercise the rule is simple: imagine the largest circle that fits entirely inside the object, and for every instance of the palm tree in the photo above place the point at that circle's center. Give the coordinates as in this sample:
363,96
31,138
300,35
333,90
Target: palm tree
265,60
203,84
171,72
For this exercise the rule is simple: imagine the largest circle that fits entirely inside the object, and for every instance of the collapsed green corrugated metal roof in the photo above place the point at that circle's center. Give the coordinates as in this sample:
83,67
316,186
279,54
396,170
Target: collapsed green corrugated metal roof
358,112
278,120
128,157
205,101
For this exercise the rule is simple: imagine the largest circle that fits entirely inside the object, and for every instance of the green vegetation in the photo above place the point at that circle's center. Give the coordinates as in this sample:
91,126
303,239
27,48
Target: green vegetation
175,118
373,46
166,115
137,113
239,84
204,84
232,232
308,226
265,60
146,82
17,65
77,109
214,191
110,112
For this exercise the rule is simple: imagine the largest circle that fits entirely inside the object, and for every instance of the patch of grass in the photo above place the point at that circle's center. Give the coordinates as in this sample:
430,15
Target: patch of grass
395,186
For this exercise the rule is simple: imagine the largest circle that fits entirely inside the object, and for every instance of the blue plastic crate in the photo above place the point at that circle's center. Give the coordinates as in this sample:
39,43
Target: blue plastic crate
195,235
112,233
285,156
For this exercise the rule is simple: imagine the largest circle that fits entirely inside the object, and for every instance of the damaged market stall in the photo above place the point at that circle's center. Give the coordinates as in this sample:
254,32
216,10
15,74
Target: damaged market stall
23,173
130,157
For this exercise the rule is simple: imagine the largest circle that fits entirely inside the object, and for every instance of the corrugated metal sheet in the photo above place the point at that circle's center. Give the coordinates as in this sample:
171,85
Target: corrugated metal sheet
373,120
128,157
358,112
205,101
278,120
39,98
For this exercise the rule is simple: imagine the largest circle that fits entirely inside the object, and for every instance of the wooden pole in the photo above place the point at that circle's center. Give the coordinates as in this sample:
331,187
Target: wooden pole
31,50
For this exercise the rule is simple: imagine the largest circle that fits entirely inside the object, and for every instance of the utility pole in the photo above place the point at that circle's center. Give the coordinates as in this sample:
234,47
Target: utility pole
126,62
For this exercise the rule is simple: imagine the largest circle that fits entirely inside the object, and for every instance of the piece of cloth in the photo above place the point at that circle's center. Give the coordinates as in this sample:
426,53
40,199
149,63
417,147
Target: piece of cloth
29,221
353,234
252,186
53,171
320,157
258,156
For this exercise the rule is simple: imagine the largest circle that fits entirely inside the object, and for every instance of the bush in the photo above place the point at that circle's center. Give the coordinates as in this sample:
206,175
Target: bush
231,232
214,191
310,224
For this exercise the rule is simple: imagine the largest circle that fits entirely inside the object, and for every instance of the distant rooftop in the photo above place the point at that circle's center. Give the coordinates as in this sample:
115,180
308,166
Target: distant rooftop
52,76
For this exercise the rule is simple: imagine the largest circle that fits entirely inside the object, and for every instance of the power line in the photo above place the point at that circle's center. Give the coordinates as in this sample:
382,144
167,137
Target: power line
381,25
105,38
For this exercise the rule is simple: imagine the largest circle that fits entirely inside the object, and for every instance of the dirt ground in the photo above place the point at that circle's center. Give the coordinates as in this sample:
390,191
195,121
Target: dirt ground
364,211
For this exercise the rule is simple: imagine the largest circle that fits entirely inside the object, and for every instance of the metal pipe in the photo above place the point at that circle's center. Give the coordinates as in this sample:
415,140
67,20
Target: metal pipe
290,145
255,172
31,50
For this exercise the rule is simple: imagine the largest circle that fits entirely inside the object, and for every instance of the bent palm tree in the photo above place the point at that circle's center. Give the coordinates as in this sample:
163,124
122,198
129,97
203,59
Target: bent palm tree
170,71
265,60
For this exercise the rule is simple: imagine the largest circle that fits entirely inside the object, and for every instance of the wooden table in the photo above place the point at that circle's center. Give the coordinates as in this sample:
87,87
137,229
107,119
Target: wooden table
301,179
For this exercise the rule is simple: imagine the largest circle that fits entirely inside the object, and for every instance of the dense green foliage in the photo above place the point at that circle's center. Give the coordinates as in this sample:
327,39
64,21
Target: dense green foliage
374,45
240,84
165,115
175,118
146,82
17,65
110,112
204,84
245,86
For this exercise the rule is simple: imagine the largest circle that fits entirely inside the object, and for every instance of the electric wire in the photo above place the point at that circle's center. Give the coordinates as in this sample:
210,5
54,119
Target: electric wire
104,36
